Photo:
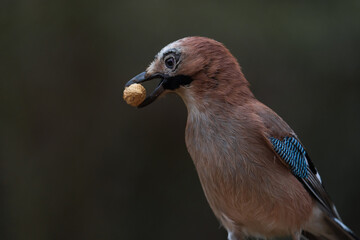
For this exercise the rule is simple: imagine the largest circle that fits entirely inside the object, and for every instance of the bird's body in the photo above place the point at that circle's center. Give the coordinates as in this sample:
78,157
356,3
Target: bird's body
257,178
249,194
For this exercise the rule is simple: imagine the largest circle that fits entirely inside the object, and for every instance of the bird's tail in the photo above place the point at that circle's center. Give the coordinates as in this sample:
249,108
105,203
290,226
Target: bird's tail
332,229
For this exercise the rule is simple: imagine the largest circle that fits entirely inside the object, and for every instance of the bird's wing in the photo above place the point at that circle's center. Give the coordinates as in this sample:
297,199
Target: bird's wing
292,153
286,145
289,150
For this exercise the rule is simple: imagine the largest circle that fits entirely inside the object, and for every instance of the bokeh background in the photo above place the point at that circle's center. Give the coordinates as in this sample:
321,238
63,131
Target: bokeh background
76,162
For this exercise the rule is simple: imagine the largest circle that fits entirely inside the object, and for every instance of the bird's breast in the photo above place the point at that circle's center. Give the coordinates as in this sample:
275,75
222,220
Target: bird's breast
246,187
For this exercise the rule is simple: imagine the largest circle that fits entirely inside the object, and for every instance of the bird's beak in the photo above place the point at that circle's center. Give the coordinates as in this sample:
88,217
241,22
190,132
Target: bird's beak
143,78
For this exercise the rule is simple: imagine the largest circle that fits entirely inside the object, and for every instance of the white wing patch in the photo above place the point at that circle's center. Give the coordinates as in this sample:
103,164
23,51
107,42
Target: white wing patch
342,225
318,177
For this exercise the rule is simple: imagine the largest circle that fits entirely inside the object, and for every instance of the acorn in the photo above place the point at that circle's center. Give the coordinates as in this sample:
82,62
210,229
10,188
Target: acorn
134,94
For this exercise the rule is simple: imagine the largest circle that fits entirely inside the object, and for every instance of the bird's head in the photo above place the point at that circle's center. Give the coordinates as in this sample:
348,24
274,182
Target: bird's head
195,68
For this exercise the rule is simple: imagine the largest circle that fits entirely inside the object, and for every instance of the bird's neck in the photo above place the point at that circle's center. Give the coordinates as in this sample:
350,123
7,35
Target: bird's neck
212,103
210,132
210,95
226,88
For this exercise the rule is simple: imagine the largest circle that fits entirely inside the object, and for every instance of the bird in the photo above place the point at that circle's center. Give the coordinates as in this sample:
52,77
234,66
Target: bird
255,172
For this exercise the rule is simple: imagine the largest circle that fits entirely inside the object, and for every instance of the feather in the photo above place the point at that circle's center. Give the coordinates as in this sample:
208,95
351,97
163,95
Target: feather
290,151
255,172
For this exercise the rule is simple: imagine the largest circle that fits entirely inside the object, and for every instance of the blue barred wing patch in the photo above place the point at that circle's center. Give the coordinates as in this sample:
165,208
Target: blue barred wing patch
291,151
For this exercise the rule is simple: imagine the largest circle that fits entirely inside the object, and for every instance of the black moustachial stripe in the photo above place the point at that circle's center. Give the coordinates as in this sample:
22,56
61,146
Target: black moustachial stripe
175,82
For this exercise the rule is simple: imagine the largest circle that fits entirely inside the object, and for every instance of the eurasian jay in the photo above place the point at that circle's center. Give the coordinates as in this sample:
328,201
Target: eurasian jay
255,172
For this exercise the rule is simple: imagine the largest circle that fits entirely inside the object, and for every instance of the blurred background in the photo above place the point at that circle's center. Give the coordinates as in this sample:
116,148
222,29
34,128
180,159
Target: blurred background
76,162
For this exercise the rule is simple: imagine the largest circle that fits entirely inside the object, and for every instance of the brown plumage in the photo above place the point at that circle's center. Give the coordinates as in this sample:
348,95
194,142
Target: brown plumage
250,188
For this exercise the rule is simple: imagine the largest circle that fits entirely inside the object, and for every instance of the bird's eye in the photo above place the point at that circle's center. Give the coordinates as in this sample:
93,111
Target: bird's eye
170,62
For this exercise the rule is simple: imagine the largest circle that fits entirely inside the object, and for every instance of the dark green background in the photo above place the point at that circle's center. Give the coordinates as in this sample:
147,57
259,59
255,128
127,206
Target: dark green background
78,163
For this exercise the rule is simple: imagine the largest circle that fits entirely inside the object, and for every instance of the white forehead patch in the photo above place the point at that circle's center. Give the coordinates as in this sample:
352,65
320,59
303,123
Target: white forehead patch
175,44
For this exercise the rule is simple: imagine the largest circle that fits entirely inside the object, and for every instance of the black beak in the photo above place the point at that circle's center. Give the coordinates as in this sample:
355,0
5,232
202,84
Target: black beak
143,78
